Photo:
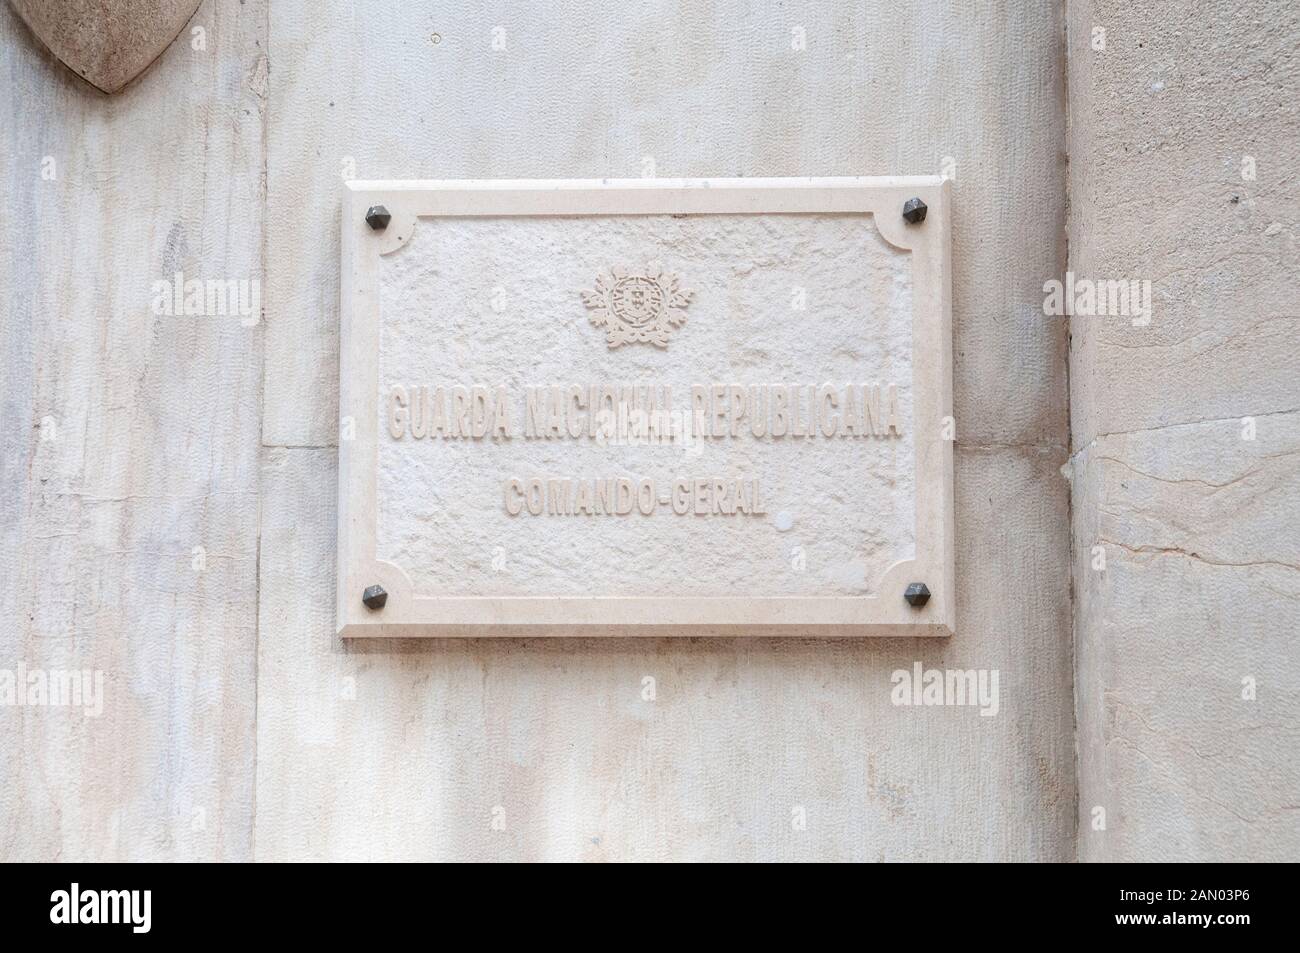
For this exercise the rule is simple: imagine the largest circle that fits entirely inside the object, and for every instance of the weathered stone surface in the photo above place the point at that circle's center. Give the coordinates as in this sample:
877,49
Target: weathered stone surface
556,739
1163,122
128,463
495,301
108,43
556,733
1199,592
574,98
404,750
1196,524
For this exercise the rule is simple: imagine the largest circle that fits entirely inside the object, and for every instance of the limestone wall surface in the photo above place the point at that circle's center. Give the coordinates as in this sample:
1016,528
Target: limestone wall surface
235,725
1184,142
129,450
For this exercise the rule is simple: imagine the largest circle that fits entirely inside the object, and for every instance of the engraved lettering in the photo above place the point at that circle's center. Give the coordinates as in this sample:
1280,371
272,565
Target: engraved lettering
397,411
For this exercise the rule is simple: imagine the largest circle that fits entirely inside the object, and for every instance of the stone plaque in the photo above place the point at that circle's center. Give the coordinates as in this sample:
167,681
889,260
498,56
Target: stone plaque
646,407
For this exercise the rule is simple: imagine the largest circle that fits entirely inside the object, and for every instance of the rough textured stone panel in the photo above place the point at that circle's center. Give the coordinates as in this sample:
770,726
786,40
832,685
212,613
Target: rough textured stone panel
497,302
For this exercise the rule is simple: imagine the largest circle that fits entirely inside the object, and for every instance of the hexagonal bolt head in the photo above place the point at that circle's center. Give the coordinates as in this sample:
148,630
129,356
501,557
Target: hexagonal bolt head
374,597
917,595
378,217
914,211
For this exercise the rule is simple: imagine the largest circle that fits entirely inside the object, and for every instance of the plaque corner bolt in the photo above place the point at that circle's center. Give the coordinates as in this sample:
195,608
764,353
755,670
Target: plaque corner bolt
914,211
375,597
917,594
378,217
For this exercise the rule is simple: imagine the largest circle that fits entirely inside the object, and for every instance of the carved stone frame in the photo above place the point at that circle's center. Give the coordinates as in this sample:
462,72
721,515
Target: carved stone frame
885,614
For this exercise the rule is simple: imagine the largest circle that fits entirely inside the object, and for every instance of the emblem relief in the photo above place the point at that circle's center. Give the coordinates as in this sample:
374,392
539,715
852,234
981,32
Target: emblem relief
630,305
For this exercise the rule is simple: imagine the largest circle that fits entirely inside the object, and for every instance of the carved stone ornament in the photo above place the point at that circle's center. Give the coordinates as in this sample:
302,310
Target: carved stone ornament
107,43
637,305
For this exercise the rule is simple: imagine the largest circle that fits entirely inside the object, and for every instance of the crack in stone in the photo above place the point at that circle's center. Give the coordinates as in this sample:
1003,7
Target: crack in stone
1177,551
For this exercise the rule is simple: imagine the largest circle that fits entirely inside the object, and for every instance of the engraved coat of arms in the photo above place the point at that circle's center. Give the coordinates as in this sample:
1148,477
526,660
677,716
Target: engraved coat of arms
633,305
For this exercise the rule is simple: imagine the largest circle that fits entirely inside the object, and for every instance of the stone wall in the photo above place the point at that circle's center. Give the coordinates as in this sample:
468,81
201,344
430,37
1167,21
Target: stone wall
236,725
1186,430
129,450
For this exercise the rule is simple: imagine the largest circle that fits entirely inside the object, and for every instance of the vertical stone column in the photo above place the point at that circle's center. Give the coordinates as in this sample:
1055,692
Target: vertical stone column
497,749
1184,146
129,451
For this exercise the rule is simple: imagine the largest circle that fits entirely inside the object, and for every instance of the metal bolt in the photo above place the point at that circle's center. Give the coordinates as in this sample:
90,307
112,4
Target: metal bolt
378,217
914,211
374,597
917,595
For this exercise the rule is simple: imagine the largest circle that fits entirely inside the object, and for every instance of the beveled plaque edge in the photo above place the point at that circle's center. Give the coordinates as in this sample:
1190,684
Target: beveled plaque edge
886,614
